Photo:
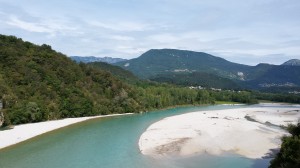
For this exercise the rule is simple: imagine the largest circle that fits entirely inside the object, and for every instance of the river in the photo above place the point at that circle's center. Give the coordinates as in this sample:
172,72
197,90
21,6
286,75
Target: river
111,142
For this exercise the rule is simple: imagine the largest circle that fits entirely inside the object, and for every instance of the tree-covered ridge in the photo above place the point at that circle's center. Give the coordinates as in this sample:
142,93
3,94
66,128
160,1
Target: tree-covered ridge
37,83
115,70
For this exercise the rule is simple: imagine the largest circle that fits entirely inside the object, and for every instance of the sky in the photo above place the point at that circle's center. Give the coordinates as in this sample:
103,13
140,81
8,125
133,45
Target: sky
247,32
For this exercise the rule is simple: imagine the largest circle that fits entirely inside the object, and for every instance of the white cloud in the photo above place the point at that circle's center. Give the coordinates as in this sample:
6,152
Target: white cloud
121,38
50,26
129,50
121,26
28,26
245,30
164,38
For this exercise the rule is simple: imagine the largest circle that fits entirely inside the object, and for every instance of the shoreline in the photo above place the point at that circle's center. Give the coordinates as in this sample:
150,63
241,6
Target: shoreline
252,132
23,132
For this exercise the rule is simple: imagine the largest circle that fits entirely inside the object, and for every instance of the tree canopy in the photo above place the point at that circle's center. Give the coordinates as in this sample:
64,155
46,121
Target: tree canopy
289,154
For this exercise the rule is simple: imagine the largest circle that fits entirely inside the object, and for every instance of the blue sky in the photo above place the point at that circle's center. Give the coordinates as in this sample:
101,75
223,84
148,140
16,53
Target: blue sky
247,32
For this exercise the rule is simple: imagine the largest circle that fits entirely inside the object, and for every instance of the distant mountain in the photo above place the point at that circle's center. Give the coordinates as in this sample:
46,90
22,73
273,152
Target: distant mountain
88,59
292,62
156,61
277,77
197,68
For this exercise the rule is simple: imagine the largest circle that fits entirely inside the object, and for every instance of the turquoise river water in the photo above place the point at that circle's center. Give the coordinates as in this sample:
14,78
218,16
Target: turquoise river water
111,142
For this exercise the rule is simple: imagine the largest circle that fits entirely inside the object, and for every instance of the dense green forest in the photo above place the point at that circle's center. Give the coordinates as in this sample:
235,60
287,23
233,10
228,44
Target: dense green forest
196,79
289,154
117,71
277,97
39,84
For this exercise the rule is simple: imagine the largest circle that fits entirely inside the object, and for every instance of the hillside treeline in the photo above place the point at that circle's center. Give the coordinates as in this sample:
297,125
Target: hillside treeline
37,84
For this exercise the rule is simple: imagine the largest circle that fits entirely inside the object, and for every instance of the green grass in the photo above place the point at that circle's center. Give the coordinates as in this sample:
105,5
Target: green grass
226,102
268,101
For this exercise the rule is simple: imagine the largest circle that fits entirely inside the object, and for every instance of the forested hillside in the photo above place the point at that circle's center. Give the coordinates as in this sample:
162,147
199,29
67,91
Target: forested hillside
115,70
37,83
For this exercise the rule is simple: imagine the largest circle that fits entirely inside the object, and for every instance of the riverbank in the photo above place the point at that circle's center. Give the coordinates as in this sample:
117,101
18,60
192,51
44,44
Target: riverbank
24,132
250,132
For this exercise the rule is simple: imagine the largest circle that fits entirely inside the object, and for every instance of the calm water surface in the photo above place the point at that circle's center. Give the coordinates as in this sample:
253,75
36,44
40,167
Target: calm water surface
110,143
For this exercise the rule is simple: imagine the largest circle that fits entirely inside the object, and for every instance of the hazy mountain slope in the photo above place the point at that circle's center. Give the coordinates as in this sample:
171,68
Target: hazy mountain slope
87,59
278,76
292,62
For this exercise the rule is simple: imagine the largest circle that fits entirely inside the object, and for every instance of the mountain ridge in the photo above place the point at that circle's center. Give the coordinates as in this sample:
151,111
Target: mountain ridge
162,64
168,60
88,59
292,62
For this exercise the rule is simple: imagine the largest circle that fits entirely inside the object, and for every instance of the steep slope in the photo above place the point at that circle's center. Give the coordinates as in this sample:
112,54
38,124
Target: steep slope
258,71
155,62
87,59
115,70
37,83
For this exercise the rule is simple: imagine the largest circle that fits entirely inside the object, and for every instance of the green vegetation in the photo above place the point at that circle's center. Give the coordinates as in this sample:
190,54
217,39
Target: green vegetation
289,155
196,79
37,84
226,102
118,72
231,96
156,97
277,97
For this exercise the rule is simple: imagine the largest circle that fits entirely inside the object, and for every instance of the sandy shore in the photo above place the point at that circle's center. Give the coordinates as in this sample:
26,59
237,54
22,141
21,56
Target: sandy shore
26,131
250,132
